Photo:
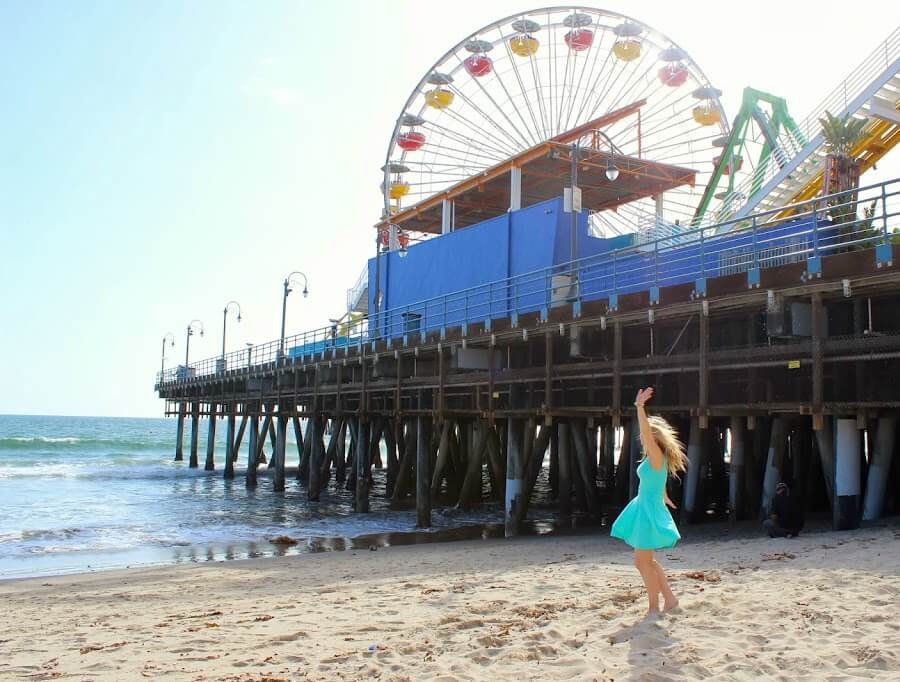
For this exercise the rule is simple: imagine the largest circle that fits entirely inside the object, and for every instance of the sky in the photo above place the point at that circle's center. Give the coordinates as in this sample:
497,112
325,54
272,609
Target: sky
161,158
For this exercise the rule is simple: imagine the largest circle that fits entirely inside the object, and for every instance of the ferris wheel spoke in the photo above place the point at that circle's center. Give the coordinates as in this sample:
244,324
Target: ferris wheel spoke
496,152
525,97
470,146
509,150
591,51
565,82
542,106
509,98
515,143
487,94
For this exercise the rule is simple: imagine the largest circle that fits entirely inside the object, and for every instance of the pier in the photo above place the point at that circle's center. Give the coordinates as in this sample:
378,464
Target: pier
779,363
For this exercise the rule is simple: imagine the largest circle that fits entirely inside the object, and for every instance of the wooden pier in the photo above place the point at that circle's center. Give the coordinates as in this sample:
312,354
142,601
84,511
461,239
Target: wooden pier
755,399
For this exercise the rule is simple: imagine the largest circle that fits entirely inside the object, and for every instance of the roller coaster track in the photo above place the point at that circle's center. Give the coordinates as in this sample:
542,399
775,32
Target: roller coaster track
871,91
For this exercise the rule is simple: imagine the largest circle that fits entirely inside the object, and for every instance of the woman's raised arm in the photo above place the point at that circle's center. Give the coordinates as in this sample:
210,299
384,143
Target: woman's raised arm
647,440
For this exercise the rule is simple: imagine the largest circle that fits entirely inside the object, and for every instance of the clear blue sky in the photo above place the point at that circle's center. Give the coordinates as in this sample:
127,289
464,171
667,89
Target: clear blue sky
160,158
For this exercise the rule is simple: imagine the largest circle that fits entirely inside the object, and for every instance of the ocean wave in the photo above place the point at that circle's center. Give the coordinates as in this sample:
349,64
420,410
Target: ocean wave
77,443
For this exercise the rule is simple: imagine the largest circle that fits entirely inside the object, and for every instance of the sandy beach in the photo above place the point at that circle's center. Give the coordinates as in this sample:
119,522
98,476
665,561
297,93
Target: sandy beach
822,606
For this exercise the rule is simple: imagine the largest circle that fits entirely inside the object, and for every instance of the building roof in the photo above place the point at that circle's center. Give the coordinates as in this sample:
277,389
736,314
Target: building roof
545,172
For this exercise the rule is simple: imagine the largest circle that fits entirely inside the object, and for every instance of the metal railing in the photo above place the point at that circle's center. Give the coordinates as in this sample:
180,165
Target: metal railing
868,217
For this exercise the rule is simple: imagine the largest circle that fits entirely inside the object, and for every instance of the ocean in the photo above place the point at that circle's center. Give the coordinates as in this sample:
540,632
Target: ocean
90,493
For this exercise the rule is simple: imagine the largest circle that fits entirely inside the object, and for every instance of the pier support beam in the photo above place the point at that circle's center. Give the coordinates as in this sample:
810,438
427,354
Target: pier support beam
211,438
179,433
229,445
423,475
316,455
695,454
235,451
564,469
253,451
514,474
846,474
825,446
278,456
879,468
736,474
194,461
774,462
362,466
583,457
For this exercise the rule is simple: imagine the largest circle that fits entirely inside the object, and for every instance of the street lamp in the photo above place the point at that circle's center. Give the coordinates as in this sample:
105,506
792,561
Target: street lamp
225,321
171,338
288,281
187,345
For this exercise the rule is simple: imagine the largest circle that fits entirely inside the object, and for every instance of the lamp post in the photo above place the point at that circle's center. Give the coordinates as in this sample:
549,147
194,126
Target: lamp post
225,323
287,289
187,345
171,338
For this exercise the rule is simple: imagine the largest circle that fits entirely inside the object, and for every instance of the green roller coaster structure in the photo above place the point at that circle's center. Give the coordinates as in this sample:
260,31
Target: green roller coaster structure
778,140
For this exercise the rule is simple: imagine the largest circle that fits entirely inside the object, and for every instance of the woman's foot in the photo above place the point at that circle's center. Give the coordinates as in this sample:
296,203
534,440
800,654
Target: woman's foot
670,604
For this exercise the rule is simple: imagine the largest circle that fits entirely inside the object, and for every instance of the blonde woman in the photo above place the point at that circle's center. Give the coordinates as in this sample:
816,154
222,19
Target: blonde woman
645,523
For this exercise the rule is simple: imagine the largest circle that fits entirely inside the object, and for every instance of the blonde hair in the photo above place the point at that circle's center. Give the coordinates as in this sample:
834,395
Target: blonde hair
666,438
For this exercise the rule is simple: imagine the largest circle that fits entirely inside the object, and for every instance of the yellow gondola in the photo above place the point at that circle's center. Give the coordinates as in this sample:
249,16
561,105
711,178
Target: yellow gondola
627,50
524,45
706,116
439,98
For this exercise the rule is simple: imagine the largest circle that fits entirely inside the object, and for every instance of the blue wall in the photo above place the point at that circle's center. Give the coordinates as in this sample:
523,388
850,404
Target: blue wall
526,245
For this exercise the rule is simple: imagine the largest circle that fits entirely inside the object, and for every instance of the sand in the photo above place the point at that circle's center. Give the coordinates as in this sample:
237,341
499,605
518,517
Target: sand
819,607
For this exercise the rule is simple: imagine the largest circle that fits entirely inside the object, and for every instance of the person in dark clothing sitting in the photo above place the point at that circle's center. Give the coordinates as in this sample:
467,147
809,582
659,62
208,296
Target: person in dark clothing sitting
785,516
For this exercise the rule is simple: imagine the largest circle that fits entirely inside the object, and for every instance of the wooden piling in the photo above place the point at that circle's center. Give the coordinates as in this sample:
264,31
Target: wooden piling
470,493
564,496
534,464
443,457
179,433
229,444
194,461
736,473
211,438
279,455
317,452
579,440
253,451
261,438
300,441
235,451
340,461
362,466
423,479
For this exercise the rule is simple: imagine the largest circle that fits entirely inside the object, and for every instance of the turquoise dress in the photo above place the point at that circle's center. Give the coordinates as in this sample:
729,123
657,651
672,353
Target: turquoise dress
646,523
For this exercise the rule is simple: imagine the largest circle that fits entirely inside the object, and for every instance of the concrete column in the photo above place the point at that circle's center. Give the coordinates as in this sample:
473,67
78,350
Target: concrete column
362,466
695,454
179,434
515,469
252,450
194,461
635,452
423,475
446,216
229,446
774,460
847,474
278,456
736,475
515,189
879,468
211,438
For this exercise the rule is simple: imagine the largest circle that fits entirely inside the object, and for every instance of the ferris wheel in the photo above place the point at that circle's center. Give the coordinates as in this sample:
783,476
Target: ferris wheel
528,78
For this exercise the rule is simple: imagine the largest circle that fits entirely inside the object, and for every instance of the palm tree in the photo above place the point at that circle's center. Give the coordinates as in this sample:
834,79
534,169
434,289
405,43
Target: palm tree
841,133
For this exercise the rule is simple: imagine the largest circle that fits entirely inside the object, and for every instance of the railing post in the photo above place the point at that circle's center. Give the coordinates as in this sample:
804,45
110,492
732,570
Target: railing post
465,320
884,252
814,264
654,290
753,272
700,282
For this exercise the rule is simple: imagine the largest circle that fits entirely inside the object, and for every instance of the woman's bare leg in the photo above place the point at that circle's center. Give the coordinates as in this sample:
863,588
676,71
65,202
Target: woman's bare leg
643,561
670,600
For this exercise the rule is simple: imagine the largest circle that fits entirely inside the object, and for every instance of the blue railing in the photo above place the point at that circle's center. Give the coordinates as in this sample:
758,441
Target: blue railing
863,218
